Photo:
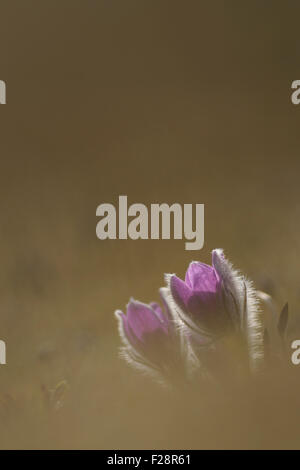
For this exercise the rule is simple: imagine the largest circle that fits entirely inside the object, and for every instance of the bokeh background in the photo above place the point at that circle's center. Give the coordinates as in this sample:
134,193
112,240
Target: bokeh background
164,101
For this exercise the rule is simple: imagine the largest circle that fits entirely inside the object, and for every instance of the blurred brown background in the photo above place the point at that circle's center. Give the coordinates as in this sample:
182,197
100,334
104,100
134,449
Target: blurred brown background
164,101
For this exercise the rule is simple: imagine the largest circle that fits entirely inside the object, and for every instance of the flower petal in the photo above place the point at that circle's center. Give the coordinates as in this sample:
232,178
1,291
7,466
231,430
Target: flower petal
143,320
124,330
166,298
233,284
202,277
180,292
159,311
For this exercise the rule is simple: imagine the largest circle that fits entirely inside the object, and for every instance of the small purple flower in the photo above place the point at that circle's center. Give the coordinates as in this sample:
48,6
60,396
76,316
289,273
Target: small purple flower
150,337
215,300
199,298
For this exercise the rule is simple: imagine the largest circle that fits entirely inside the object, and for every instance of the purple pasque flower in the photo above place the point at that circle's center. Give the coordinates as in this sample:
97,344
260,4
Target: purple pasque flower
199,298
215,300
151,340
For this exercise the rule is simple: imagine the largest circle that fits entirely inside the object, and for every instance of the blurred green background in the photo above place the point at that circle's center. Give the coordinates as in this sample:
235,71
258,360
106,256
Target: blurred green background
164,101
